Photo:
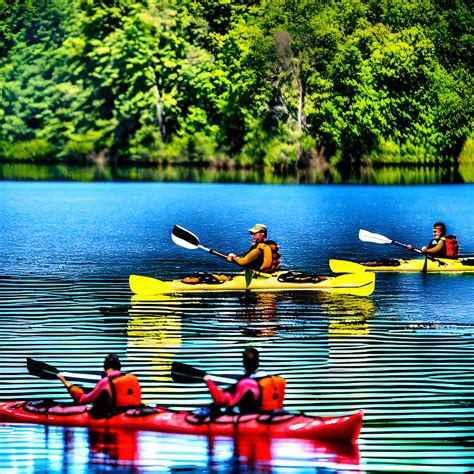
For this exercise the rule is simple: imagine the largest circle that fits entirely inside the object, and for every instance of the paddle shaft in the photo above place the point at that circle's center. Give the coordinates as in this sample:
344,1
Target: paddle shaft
214,252
413,249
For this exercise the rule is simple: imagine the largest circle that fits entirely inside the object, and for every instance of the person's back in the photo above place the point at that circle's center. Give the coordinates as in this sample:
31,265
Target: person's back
115,391
251,394
441,245
263,255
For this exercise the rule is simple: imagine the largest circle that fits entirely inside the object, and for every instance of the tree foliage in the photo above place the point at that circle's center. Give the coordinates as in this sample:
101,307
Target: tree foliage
280,82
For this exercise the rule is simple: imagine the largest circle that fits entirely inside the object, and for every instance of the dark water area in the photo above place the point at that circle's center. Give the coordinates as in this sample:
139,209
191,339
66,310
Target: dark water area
370,174
405,355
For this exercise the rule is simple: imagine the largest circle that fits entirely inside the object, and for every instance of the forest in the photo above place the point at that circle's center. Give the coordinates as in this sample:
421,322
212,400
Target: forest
278,83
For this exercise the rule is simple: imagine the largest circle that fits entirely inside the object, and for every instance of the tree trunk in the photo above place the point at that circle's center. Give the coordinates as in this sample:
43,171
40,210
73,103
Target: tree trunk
159,112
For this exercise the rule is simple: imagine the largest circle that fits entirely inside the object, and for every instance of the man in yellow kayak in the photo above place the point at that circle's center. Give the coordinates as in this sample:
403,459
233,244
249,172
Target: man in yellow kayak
263,254
440,245
255,392
115,391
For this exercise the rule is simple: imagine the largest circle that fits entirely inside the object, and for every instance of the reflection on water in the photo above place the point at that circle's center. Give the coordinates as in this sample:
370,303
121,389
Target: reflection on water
363,175
154,328
79,450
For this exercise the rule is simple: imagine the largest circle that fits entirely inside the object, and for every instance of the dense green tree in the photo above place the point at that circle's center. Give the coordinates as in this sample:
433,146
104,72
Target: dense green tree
280,82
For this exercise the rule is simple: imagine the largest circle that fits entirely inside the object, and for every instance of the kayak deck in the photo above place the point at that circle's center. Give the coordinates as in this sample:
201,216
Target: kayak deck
344,428
362,284
440,265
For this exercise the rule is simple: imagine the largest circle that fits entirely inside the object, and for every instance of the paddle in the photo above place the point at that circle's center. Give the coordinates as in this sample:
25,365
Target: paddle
188,240
367,236
184,373
45,371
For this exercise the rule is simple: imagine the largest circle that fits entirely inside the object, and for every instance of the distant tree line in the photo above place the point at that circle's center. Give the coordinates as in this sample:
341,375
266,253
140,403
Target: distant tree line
275,82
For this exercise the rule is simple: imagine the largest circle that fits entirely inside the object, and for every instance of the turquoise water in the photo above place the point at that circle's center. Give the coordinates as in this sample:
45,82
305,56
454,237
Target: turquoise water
405,355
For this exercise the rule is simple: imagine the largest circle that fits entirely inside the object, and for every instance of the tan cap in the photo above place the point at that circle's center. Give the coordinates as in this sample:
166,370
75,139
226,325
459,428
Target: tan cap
258,228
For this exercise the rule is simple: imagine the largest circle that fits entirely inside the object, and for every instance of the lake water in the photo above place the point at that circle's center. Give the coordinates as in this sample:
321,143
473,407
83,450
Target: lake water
405,354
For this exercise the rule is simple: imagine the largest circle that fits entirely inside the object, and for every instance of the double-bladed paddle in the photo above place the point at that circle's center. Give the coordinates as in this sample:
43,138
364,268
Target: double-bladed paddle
46,371
186,239
367,236
184,373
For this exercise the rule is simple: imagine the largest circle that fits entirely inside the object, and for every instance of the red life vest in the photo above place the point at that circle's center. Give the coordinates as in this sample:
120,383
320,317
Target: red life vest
452,247
126,390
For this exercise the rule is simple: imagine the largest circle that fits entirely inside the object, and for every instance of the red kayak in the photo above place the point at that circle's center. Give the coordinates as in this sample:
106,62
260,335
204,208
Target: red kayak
285,425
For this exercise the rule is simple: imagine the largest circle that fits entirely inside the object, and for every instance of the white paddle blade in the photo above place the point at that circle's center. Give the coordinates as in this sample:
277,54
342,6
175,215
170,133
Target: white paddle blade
183,243
184,238
367,236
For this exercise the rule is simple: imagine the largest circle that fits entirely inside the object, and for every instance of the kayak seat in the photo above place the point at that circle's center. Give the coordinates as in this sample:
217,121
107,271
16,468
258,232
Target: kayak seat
207,416
209,278
299,277
383,262
143,411
50,407
275,417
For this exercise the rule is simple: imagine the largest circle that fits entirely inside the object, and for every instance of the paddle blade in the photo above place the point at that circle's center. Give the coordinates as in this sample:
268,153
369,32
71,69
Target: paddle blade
184,373
343,266
41,369
367,236
184,238
356,284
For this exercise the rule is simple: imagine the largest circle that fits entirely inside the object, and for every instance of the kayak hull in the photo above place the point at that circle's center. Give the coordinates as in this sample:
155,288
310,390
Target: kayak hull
360,285
441,265
337,429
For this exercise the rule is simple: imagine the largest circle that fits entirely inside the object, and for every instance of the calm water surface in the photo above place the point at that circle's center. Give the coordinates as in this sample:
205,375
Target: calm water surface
405,355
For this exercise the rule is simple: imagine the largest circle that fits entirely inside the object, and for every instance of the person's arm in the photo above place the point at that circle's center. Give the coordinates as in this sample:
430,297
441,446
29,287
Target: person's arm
78,394
267,257
75,392
249,257
439,246
227,399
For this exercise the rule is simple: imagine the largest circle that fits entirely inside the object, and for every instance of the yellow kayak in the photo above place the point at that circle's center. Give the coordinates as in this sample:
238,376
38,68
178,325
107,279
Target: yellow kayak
403,265
361,284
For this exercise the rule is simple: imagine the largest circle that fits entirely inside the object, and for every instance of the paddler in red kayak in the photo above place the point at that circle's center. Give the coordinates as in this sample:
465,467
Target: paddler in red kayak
441,245
115,391
263,254
254,393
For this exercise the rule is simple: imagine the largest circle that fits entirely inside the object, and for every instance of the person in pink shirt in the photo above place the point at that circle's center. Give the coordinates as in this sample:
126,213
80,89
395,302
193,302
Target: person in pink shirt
115,391
246,393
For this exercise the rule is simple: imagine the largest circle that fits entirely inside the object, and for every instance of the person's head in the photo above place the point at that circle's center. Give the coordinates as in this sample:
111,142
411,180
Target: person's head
439,230
258,232
251,360
112,362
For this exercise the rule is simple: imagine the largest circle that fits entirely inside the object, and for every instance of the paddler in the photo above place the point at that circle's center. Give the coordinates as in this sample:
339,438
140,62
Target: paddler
440,245
263,254
255,392
116,391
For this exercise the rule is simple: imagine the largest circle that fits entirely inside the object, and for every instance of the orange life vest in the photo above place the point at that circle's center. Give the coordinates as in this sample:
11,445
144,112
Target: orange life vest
272,392
126,390
452,247
275,256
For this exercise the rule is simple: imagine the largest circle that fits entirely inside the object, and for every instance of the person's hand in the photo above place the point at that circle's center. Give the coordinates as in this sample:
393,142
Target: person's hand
410,247
64,381
231,257
206,378
423,249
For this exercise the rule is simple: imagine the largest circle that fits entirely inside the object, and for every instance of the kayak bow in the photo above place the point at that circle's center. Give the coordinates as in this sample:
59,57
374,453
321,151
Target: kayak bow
359,284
